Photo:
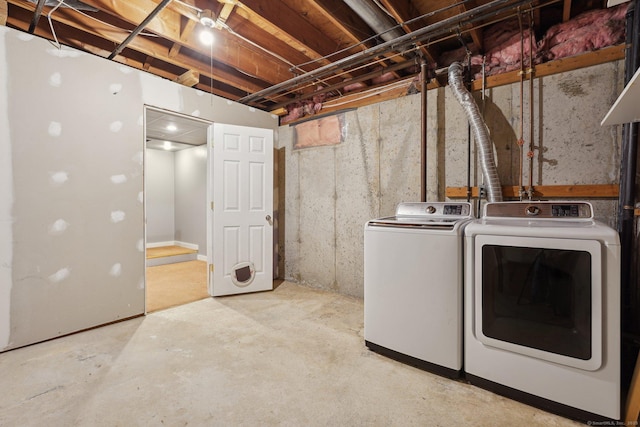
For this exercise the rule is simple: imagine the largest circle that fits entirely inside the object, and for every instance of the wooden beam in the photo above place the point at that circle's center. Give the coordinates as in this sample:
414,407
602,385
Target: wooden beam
476,33
175,49
229,50
566,10
358,99
144,45
341,16
147,63
184,36
608,54
402,12
225,12
4,12
597,191
189,78
284,23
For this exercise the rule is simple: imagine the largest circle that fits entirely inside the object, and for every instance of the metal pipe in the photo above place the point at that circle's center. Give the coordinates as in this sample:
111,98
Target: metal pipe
468,132
139,28
401,43
36,16
380,22
423,131
628,166
480,130
521,139
530,71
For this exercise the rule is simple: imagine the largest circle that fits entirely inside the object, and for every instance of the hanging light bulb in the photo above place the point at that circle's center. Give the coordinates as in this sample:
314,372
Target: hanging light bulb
206,37
207,20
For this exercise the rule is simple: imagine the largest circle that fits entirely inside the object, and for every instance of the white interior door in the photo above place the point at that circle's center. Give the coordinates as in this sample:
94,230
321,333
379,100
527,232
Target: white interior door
242,203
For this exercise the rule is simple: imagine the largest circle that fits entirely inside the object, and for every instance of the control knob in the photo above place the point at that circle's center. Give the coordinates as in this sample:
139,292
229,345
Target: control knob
533,210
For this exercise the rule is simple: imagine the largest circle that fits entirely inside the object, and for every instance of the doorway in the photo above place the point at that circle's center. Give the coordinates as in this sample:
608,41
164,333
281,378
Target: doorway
175,198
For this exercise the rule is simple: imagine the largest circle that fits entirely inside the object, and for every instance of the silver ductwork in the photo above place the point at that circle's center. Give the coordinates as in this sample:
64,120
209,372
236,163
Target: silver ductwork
480,132
375,18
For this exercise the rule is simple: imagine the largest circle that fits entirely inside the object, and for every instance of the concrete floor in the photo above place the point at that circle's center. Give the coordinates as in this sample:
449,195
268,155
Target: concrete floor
292,357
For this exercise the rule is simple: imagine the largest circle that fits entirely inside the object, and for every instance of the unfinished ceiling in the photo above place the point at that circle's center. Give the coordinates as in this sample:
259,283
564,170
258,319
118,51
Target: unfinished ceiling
278,55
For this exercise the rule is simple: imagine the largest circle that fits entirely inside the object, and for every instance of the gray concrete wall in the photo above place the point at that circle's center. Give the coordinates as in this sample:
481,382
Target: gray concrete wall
328,193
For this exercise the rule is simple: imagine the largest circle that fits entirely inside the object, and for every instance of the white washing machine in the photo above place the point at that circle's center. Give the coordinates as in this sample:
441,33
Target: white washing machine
413,274
542,307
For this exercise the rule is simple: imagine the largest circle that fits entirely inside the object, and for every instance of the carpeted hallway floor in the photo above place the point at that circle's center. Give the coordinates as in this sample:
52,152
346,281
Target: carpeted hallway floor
175,284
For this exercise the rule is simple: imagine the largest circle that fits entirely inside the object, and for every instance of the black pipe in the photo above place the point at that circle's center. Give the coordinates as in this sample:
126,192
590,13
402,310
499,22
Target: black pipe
36,16
139,28
626,199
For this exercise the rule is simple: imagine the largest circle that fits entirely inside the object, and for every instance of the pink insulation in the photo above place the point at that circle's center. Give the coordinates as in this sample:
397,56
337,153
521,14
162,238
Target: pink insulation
589,31
354,86
592,30
503,44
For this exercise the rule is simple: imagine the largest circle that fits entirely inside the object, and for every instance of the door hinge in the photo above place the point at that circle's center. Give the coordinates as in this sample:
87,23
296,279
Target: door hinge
211,205
211,268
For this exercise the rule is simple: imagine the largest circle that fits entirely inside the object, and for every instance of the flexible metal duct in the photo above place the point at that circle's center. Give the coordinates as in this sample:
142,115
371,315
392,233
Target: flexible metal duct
480,132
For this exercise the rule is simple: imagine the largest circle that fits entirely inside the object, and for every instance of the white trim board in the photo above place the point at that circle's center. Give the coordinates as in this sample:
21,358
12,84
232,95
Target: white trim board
174,243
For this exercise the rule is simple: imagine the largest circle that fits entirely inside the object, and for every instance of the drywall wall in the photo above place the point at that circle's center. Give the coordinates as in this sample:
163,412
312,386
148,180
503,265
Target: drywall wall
191,197
6,203
160,196
331,191
71,209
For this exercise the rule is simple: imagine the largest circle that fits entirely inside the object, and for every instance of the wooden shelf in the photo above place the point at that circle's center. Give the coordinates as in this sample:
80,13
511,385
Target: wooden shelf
626,109
599,191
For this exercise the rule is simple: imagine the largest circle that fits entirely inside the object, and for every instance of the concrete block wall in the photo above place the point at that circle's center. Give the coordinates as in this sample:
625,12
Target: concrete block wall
328,193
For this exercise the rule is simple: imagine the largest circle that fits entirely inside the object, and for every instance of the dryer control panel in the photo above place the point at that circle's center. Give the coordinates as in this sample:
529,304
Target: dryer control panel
539,210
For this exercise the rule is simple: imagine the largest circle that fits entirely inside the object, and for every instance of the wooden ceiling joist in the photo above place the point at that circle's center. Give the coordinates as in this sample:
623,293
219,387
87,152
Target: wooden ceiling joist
229,50
145,46
189,78
4,12
270,52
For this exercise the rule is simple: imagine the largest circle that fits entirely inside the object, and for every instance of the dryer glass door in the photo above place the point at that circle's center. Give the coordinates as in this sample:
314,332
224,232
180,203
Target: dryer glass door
541,297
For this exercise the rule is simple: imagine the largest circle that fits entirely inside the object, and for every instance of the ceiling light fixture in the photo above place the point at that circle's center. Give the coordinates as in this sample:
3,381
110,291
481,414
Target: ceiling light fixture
167,145
171,127
206,18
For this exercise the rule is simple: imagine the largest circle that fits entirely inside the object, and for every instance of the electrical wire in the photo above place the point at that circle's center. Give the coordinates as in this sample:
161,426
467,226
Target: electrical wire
252,43
56,43
372,92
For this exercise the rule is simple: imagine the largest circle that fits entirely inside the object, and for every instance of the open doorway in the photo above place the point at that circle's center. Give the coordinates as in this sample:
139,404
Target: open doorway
175,196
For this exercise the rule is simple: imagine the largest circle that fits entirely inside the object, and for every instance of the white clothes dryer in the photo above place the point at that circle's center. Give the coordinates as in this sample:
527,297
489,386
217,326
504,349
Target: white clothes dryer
413,274
542,307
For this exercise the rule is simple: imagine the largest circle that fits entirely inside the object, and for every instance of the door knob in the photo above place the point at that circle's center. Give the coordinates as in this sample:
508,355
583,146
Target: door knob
268,218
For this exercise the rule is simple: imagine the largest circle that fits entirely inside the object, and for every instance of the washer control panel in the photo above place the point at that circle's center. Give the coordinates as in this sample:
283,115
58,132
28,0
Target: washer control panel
429,209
